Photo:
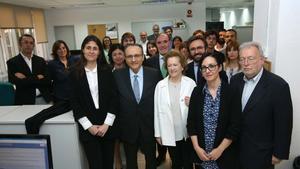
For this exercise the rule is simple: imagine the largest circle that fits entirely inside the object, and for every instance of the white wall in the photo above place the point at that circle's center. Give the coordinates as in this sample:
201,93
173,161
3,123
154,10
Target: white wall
278,32
236,16
81,17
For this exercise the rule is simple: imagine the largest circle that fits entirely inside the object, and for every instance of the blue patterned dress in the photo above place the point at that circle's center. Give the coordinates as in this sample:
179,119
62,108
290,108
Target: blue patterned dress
210,121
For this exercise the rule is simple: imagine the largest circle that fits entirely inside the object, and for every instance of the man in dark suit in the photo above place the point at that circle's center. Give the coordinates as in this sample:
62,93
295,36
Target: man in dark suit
29,74
157,62
197,47
155,29
136,86
267,113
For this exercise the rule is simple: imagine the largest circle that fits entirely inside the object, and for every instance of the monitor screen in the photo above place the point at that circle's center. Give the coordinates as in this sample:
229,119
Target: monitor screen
19,151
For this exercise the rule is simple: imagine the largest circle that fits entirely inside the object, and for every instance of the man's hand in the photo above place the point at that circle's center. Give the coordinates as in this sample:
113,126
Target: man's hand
20,75
40,76
275,160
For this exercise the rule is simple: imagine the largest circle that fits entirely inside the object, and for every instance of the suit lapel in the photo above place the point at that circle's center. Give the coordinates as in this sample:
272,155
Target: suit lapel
146,83
86,88
127,81
24,64
258,93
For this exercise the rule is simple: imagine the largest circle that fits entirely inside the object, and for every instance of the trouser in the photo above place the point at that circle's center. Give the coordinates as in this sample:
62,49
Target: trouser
34,123
181,155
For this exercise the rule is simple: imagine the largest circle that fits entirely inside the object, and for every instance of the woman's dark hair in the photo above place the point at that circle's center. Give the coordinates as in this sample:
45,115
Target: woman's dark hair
176,37
110,42
153,44
82,62
112,49
213,55
127,35
56,46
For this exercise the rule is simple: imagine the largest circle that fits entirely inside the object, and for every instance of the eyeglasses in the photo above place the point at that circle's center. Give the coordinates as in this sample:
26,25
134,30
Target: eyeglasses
136,56
249,60
210,67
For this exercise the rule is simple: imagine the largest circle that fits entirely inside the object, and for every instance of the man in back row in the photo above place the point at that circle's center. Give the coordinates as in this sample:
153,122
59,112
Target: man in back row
29,74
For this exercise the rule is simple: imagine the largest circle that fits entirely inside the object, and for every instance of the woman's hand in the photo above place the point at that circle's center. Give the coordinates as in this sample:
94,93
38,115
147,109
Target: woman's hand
202,154
158,139
215,154
93,130
102,129
187,100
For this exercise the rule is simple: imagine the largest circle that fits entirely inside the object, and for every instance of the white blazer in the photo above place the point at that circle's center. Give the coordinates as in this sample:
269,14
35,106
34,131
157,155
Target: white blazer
163,120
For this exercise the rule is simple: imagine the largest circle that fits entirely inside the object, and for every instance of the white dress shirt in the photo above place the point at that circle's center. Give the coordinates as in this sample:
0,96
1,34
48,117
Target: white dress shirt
92,77
249,87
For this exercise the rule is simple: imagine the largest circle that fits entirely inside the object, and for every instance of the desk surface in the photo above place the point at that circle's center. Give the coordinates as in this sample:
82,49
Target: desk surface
18,114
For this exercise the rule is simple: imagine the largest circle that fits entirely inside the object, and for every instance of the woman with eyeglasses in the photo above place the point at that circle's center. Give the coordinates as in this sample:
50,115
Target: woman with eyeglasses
171,100
213,121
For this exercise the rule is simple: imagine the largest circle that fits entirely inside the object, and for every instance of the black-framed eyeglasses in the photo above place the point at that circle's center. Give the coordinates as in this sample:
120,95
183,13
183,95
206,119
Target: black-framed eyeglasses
210,67
133,56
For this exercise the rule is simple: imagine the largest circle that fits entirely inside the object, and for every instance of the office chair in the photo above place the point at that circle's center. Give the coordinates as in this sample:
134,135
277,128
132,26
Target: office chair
7,93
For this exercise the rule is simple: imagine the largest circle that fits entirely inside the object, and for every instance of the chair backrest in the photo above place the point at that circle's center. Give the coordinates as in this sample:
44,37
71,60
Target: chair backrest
7,94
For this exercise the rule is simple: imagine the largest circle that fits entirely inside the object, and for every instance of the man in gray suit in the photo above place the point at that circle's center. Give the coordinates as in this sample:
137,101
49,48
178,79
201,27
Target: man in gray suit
136,86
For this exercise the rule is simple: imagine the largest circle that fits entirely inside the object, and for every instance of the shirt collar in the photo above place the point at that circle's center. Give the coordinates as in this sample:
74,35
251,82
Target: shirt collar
255,78
25,57
161,57
139,73
93,70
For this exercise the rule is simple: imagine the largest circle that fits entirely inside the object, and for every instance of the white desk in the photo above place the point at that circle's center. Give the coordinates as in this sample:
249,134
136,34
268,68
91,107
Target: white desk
66,149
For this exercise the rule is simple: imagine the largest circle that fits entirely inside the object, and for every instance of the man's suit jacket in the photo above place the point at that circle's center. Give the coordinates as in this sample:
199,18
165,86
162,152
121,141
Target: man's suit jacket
266,121
136,120
154,63
26,88
82,102
228,124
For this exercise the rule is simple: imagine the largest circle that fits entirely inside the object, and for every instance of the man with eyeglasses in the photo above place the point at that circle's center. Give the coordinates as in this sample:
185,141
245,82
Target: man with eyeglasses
136,85
265,103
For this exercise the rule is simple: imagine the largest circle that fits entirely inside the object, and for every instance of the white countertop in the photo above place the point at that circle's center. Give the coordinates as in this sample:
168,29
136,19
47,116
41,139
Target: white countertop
18,114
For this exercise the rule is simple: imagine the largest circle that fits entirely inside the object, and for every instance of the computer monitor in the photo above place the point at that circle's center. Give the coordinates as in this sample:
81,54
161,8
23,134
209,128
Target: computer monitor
20,151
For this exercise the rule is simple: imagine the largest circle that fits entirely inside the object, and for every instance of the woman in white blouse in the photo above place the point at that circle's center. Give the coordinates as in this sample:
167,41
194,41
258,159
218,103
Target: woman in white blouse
94,101
171,100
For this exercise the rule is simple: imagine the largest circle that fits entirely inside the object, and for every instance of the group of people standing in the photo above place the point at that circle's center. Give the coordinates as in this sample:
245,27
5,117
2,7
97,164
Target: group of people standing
216,112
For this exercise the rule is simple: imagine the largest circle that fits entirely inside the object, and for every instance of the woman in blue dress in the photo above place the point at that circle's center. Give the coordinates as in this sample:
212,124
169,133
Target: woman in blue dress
213,122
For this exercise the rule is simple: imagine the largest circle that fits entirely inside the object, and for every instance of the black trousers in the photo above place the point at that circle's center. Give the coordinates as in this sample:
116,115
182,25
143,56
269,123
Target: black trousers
99,153
181,155
34,123
148,149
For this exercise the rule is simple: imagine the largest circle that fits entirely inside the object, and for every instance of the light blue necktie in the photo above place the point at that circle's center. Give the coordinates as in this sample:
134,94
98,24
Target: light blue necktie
136,88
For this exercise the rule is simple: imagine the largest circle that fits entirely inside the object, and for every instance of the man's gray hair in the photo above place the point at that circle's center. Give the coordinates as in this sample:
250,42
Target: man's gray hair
256,45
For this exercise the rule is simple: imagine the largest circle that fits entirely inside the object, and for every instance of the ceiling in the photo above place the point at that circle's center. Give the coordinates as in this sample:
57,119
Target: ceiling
48,4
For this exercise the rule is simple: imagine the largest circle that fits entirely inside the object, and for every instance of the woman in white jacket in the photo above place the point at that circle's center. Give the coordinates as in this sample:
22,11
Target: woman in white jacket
171,100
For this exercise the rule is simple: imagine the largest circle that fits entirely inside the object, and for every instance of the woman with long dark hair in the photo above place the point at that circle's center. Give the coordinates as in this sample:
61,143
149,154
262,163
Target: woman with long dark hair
94,102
